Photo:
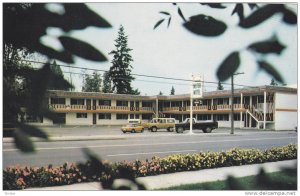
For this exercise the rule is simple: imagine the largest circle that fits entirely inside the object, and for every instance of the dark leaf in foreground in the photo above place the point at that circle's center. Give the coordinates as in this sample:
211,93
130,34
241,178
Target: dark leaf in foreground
269,46
270,70
214,5
252,5
158,23
96,164
228,66
181,14
82,49
165,13
289,17
64,55
79,16
205,25
169,21
260,15
23,141
234,184
239,9
32,131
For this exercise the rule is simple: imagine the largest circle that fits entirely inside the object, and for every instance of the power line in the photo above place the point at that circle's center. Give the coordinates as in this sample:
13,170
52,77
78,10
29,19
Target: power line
141,75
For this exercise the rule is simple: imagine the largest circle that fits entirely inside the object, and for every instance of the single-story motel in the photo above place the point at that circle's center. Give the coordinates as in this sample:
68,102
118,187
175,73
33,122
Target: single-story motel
263,107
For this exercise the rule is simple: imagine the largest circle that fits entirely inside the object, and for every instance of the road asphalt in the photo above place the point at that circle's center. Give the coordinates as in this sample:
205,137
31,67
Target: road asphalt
180,178
165,180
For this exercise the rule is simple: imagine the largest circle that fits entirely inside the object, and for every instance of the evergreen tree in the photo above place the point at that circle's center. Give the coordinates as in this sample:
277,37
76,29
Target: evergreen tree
56,69
172,91
106,83
160,93
120,71
273,83
220,86
92,83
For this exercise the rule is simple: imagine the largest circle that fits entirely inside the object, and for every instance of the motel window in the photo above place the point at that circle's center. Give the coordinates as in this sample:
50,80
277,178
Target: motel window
81,115
146,116
166,104
204,117
237,117
147,104
236,100
226,101
77,101
57,100
176,104
122,116
122,103
260,99
105,116
59,118
221,117
33,118
105,102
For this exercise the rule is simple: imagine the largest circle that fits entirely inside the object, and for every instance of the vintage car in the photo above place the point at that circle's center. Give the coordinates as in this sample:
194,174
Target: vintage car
161,123
133,128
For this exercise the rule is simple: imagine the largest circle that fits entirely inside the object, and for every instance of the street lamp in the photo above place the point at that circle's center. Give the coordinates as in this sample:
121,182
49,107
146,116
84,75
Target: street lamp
232,98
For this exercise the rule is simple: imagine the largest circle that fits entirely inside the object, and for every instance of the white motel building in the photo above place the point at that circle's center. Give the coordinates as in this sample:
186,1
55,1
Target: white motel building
263,107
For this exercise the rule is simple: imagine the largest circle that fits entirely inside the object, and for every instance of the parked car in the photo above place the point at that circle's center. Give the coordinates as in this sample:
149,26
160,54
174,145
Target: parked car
205,126
133,128
161,123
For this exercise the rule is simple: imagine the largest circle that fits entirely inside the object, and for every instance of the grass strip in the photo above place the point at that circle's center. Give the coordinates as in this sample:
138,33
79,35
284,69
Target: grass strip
287,181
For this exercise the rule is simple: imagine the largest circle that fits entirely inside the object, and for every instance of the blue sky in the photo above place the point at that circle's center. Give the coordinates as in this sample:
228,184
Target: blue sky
175,52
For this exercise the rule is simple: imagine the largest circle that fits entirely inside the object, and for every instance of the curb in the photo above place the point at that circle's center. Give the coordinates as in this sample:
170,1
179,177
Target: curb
69,138
115,137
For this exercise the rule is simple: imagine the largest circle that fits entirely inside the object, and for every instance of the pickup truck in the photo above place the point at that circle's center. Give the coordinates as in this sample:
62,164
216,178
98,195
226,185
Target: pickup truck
205,126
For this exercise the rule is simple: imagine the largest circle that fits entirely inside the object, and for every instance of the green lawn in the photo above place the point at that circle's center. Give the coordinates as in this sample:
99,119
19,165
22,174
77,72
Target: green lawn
284,180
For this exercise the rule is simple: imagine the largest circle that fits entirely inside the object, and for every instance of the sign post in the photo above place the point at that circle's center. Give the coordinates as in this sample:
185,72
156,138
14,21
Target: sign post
196,93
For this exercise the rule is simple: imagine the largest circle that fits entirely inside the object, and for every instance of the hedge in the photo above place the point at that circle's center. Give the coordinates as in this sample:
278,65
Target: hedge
15,178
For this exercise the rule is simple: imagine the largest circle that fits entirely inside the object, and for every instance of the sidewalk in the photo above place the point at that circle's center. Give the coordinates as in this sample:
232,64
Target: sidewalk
174,179
98,136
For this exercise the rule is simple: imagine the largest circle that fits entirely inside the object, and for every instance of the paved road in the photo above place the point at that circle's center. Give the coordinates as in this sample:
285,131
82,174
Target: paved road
140,146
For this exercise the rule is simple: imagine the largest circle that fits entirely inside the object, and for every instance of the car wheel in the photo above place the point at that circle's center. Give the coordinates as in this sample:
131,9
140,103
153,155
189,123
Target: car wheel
207,130
179,130
132,131
142,130
154,129
124,131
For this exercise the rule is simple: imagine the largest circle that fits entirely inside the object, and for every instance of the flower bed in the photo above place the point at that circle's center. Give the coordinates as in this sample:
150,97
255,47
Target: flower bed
15,178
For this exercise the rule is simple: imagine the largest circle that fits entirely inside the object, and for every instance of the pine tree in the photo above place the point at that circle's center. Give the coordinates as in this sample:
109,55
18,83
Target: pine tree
273,83
172,91
220,86
92,83
160,93
56,69
106,83
120,71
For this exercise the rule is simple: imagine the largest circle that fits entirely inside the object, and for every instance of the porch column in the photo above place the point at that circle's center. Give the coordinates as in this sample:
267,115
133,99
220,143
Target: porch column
265,108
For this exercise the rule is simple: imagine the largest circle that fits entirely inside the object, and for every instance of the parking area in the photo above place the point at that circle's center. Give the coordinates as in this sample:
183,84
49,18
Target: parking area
116,130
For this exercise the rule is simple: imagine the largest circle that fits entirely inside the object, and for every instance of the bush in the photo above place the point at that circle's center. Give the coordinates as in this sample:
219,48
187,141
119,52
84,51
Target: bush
23,177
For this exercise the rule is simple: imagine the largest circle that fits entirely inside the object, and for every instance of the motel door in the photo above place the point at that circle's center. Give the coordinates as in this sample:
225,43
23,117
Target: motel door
94,119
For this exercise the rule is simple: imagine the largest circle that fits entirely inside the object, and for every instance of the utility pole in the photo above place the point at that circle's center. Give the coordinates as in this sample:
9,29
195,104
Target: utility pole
196,92
232,98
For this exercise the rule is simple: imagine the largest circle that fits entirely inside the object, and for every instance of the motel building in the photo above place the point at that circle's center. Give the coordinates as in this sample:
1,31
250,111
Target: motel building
263,107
